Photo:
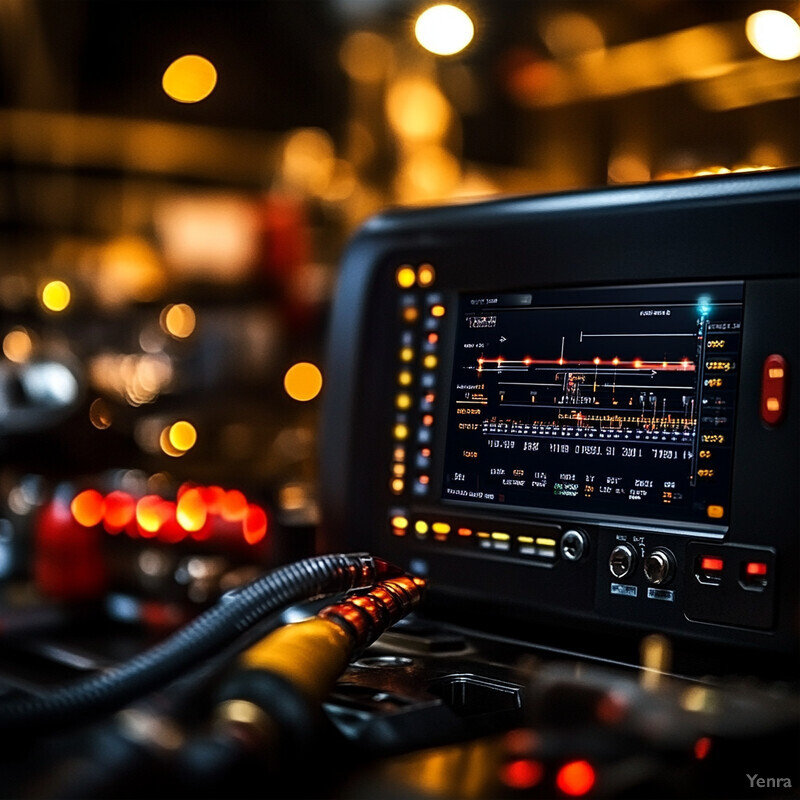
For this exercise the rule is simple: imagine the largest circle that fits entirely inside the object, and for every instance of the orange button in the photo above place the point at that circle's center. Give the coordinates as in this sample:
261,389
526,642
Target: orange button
773,389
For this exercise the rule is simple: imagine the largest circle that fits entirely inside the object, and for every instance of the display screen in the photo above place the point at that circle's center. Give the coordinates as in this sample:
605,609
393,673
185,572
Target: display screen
616,401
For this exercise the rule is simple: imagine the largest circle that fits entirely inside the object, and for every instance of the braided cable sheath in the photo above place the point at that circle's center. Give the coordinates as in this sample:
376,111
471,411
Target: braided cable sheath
235,613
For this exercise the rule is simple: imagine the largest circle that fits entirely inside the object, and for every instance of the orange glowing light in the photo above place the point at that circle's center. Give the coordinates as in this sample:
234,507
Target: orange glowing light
189,79
427,420
178,320
18,346
426,275
575,778
615,361
437,310
88,508
213,497
233,506
596,360
303,381
120,508
637,363
523,773
254,525
149,515
191,511
433,337
398,485
410,314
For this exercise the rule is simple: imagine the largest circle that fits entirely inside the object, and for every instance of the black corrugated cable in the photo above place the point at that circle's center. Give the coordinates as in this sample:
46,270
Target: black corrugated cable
233,614
290,672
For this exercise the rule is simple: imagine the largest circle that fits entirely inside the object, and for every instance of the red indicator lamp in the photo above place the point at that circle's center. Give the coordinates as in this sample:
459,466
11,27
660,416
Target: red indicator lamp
756,569
576,778
709,564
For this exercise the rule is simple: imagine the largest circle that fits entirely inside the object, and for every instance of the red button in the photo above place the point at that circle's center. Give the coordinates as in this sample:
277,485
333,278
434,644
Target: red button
773,389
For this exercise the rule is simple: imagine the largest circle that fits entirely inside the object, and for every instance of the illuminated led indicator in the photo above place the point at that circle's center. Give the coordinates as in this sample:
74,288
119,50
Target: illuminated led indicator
404,378
398,470
546,542
406,354
575,778
465,531
427,420
424,480
711,564
425,452
433,337
773,404
615,361
421,527
441,527
403,401
483,534
398,485
399,453
596,360
429,362
500,536
426,275
702,747
410,314
399,522
437,310
400,431
776,372
756,568
405,277
525,539
715,512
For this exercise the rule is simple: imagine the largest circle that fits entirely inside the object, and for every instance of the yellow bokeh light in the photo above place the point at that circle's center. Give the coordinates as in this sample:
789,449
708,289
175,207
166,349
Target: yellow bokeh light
366,57
56,296
178,320
417,110
444,29
774,34
182,435
303,381
189,79
167,446
17,345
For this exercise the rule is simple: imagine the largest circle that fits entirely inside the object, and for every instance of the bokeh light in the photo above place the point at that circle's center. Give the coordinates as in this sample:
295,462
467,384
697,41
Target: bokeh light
178,320
17,345
56,296
444,29
189,79
774,34
303,381
88,508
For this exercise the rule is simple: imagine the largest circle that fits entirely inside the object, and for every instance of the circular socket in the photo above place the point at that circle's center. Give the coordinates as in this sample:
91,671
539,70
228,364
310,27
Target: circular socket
622,560
574,545
659,566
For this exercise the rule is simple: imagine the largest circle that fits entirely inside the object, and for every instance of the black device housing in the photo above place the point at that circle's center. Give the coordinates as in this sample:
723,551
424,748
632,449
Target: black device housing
739,233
